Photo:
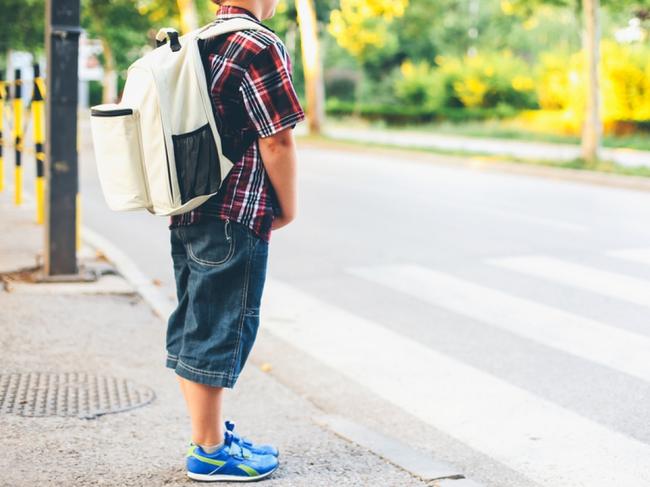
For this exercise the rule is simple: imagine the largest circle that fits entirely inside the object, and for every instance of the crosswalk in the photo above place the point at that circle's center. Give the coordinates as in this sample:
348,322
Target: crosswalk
640,256
610,284
582,337
549,444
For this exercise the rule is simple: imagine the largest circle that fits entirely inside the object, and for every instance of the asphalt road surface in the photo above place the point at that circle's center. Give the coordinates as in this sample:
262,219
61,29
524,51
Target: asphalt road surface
500,322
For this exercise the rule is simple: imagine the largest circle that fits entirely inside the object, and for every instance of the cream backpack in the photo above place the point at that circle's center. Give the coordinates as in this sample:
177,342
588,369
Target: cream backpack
159,148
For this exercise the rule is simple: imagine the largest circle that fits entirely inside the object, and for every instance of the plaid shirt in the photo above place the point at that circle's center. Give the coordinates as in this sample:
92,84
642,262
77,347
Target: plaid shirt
249,75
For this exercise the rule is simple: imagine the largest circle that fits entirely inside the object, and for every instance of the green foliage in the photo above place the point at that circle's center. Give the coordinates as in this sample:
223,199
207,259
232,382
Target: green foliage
493,80
399,115
528,7
625,81
421,64
121,24
95,92
421,85
22,25
367,30
206,10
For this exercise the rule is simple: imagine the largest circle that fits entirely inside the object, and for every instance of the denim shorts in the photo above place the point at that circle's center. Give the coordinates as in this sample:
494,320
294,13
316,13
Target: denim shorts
220,269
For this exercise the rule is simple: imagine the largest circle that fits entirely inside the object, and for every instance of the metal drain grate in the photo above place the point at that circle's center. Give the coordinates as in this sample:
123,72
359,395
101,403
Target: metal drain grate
72,394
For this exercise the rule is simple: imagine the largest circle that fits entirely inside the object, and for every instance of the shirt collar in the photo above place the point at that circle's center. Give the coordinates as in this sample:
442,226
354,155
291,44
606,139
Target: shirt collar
233,10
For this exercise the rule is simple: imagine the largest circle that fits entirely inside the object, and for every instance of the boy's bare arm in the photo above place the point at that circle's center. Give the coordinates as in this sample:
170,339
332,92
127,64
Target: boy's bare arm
278,153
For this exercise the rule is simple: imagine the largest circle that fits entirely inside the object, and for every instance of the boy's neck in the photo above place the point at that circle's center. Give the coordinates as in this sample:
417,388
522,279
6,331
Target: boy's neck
252,6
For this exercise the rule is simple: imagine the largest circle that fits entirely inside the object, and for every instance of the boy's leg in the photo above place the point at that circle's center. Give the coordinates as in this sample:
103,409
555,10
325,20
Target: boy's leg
226,267
204,406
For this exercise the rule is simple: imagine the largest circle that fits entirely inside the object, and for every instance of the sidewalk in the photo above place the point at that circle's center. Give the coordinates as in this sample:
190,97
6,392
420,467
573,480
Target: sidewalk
105,334
479,145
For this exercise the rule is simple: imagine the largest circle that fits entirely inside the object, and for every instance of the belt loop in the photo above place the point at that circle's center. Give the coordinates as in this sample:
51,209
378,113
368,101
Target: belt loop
227,226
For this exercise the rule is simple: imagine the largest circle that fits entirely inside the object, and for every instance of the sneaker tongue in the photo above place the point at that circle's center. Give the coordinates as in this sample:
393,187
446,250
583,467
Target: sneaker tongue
227,438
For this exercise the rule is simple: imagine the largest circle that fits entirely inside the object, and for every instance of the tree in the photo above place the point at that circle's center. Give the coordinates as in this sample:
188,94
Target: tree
592,126
364,26
23,25
307,17
122,30
311,64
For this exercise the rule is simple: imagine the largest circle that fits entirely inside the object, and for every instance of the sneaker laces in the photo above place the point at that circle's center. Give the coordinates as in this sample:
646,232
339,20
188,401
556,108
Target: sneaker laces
234,449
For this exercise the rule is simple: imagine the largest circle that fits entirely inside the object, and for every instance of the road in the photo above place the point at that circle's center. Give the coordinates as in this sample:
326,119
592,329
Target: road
500,322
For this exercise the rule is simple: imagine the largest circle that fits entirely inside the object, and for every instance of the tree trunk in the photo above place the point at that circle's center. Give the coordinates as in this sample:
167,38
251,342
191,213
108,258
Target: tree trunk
189,16
592,127
109,83
312,65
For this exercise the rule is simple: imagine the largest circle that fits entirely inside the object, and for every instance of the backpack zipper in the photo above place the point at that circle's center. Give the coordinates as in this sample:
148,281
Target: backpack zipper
118,112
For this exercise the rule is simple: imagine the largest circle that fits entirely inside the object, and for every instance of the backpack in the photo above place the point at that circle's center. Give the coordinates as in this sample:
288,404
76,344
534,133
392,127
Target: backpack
159,148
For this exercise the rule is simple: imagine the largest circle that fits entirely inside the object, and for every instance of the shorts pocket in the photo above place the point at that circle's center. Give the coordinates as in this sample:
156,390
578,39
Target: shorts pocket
197,163
211,242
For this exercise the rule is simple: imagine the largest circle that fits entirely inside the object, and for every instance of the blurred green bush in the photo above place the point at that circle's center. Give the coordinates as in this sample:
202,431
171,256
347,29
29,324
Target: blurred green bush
547,95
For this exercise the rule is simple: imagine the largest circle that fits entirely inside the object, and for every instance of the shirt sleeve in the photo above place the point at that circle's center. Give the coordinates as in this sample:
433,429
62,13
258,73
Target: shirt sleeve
268,93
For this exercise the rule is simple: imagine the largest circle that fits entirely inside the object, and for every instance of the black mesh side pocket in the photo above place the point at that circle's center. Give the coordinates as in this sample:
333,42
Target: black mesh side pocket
197,163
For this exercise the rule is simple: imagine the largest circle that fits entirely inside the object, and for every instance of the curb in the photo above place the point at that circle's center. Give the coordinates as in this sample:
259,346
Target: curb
394,451
125,266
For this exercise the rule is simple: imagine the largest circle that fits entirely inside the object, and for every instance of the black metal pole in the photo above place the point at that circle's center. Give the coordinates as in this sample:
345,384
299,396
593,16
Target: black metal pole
62,42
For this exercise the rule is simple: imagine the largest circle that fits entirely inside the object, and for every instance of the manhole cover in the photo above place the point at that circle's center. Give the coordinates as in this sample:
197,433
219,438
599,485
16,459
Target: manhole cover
76,394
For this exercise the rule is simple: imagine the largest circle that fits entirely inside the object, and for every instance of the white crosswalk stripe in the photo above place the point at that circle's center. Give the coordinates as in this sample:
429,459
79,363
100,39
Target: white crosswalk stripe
610,284
589,339
641,256
545,442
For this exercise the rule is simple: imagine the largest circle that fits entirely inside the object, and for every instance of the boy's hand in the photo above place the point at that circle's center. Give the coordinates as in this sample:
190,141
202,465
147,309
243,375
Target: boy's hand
279,222
278,153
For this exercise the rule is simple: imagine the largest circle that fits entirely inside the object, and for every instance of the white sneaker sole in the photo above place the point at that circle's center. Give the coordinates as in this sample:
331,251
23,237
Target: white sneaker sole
228,478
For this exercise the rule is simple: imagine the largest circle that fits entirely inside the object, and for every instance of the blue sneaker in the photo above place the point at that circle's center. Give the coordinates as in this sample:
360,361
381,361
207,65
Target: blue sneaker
231,463
243,442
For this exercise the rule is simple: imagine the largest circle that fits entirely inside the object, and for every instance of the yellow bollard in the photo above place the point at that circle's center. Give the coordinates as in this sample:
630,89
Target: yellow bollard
18,137
37,113
2,119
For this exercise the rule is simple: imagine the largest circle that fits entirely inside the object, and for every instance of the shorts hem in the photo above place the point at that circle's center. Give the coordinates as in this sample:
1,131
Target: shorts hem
171,361
206,377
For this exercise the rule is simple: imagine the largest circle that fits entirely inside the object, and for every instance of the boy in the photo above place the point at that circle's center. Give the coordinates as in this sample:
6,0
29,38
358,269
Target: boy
220,249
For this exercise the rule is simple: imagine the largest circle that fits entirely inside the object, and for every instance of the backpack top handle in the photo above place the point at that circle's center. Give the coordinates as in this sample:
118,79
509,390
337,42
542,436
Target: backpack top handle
168,34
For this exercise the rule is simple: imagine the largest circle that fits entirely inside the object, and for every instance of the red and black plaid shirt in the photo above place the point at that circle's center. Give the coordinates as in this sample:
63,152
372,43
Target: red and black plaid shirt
249,75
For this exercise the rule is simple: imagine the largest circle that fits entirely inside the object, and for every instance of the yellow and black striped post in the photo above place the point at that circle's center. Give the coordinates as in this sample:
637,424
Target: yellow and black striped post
18,137
39,139
2,119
